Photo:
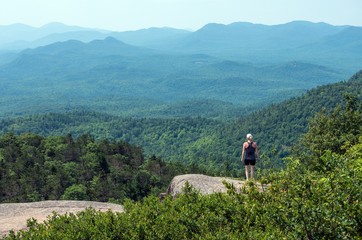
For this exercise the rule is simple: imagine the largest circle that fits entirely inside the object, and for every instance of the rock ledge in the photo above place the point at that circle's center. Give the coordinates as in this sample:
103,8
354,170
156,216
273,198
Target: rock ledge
15,215
204,184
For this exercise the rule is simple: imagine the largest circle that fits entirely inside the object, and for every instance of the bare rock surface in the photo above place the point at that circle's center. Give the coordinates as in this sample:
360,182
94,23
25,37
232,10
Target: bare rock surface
15,215
204,184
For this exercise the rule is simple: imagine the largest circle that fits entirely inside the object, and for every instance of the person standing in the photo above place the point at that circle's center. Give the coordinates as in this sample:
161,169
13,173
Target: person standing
249,155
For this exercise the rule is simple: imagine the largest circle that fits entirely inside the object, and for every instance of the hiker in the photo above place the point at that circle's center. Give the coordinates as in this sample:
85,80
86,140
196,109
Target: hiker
249,155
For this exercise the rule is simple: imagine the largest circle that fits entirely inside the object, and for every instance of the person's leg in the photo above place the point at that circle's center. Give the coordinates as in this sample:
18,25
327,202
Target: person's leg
252,167
246,172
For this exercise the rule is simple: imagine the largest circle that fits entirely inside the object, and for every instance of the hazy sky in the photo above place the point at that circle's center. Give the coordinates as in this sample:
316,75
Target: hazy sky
122,15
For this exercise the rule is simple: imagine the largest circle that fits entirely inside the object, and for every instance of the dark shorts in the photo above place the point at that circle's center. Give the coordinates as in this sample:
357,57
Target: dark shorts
249,162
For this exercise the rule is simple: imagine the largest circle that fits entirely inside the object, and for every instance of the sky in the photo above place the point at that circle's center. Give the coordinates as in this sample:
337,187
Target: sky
125,15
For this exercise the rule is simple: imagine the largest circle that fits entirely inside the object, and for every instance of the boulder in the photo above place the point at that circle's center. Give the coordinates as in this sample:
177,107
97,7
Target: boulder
202,183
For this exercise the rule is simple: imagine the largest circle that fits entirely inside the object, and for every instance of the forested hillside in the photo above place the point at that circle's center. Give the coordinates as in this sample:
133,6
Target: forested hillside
213,143
317,196
35,168
112,77
164,72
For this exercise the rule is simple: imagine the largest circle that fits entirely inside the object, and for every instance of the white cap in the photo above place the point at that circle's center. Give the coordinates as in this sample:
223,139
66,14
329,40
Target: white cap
249,136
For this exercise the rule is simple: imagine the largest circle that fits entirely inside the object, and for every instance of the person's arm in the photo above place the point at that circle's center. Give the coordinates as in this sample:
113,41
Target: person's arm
243,152
256,151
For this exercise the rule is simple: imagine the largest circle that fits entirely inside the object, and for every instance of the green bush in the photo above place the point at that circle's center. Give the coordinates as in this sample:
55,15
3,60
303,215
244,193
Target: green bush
75,192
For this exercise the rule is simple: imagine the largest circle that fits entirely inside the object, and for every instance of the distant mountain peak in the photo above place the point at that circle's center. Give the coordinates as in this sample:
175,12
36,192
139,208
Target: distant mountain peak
109,41
107,46
112,39
54,24
17,25
57,27
212,26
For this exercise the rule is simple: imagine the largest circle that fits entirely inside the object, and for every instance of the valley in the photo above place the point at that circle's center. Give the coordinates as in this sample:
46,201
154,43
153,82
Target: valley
230,70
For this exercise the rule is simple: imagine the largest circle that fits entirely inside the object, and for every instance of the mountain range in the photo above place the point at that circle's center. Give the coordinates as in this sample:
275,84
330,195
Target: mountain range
150,71
250,42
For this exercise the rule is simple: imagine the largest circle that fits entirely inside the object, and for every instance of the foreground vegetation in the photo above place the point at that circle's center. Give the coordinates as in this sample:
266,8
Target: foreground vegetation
317,196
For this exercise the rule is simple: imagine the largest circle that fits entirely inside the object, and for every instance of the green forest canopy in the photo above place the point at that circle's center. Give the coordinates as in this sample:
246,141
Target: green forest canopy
317,196
34,167
214,143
